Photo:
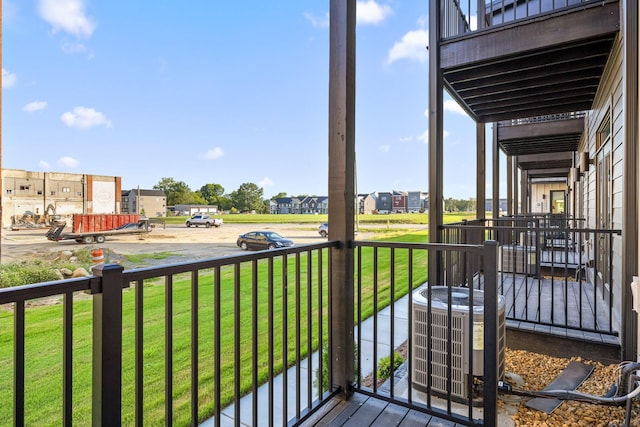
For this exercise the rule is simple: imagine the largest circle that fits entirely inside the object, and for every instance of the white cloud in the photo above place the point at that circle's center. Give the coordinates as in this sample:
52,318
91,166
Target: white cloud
44,165
85,118
34,106
68,16
371,12
406,139
67,162
8,79
317,21
73,47
425,136
214,153
454,107
266,182
412,46
384,148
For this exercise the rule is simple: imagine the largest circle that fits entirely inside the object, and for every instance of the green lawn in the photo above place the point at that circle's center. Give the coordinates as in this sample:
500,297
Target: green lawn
416,218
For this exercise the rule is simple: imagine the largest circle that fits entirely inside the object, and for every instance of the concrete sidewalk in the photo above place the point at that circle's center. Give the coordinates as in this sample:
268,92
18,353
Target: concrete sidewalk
382,323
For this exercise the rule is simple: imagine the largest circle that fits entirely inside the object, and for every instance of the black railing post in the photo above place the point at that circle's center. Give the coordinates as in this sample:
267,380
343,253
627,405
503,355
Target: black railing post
107,346
490,386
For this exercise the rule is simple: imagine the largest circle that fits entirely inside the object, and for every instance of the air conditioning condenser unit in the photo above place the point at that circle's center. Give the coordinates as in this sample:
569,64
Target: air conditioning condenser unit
436,339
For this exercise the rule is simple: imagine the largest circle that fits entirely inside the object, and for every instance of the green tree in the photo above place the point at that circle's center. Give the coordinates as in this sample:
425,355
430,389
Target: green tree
248,197
266,206
450,205
211,193
178,192
225,203
279,196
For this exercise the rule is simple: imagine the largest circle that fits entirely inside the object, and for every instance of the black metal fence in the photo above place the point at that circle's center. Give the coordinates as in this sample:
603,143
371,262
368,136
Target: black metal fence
237,339
553,270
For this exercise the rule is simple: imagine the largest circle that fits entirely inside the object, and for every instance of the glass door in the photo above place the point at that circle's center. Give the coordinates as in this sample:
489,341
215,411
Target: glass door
558,202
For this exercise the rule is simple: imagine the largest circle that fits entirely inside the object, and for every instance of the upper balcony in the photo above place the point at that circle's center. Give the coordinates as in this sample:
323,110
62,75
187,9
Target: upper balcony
528,58
544,146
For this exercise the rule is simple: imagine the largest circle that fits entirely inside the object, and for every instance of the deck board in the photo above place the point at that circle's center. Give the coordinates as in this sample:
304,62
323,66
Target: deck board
555,301
362,411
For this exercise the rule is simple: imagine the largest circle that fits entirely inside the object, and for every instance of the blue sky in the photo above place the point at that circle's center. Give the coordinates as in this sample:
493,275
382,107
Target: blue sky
219,92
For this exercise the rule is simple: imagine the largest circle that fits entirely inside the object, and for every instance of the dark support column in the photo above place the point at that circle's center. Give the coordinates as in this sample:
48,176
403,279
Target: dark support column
509,185
481,171
516,204
436,196
342,75
523,191
496,174
630,184
107,346
490,402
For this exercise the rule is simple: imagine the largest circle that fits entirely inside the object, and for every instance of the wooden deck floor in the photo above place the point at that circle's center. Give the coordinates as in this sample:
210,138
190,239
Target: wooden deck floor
557,304
361,411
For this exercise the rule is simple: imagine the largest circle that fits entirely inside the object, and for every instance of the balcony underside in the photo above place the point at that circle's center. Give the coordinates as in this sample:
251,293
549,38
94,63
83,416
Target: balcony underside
543,148
541,136
544,65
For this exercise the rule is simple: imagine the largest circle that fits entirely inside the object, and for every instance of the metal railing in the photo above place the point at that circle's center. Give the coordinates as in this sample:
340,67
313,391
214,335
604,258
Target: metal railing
169,345
431,378
206,340
553,271
462,16
543,119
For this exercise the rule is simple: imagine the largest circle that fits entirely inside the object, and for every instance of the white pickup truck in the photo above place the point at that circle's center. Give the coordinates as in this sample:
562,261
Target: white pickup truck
201,219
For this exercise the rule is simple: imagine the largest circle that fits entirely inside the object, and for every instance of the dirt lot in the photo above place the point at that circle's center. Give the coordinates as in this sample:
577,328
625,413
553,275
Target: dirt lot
183,243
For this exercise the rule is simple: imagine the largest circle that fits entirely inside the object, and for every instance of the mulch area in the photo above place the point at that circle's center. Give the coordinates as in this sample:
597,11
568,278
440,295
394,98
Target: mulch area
539,370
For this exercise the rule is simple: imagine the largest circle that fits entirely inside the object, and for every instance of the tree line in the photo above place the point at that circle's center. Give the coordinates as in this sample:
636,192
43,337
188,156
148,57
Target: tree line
459,205
247,198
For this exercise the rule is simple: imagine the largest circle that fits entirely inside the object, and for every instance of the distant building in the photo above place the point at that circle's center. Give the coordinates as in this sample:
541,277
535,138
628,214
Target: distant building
383,204
415,201
314,205
489,205
399,202
151,203
285,205
194,209
40,196
367,203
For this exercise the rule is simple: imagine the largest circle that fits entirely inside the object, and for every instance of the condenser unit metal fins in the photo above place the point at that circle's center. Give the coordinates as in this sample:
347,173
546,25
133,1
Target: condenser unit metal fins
455,337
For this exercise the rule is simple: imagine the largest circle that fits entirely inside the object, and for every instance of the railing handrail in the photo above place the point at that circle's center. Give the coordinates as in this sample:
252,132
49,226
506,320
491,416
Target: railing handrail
88,283
543,119
534,228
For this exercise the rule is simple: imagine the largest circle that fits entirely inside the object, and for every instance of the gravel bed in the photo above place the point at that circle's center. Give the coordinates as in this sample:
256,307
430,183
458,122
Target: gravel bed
538,370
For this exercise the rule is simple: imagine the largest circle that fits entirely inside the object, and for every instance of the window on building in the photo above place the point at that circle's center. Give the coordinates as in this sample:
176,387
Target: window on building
52,193
9,191
24,188
66,189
